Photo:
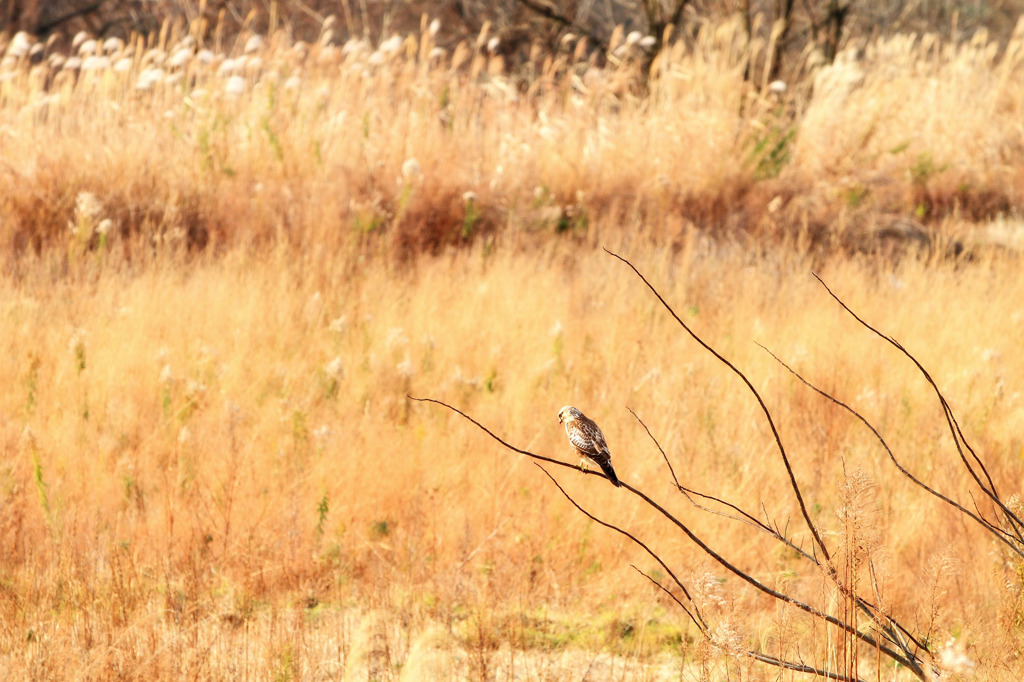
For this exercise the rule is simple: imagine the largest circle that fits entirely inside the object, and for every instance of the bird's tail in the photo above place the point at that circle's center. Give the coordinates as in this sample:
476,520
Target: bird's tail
606,466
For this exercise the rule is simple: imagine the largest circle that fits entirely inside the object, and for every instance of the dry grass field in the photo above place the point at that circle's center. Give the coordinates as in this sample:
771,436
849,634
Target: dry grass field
224,273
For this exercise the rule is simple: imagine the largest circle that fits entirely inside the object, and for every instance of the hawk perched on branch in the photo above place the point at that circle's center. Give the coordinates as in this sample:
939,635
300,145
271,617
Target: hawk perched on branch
588,440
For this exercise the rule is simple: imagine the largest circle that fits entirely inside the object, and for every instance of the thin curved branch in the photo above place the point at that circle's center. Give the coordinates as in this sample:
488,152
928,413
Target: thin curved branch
801,667
830,568
764,408
490,433
896,633
756,655
911,662
660,449
744,517
702,628
954,427
998,532
748,519
696,616
865,606
702,625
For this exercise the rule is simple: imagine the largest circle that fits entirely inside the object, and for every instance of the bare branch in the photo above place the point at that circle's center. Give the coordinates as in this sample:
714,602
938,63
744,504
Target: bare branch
696,617
749,519
801,667
666,591
490,433
764,408
910,661
868,608
702,624
743,517
894,632
1000,534
764,658
66,17
551,14
1014,521
660,449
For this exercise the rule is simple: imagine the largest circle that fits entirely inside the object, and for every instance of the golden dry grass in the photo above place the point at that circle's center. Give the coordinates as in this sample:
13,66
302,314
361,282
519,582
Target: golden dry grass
161,504
210,466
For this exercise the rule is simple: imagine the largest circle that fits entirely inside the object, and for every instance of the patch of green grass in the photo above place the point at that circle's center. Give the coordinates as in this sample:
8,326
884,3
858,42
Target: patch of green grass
772,152
611,631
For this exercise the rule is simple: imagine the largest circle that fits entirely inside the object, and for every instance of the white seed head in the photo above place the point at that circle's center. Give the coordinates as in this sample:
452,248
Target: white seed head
87,206
254,44
77,340
79,38
229,67
88,47
149,78
353,46
338,325
235,85
396,338
20,45
180,58
95,63
112,45
335,368
321,434
194,390
410,169
953,658
391,45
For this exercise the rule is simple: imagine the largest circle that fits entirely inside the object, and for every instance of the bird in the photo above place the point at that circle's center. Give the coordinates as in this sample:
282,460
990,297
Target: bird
586,437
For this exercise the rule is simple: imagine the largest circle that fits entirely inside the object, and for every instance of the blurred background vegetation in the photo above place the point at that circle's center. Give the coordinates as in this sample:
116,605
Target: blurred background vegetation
795,30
